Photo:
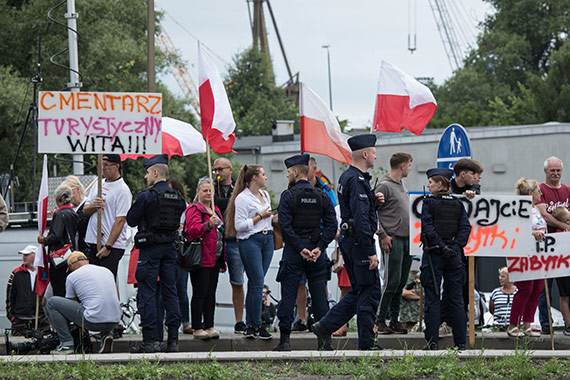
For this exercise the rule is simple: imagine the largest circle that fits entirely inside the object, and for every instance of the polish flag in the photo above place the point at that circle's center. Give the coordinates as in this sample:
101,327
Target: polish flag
41,259
178,139
320,132
402,102
215,112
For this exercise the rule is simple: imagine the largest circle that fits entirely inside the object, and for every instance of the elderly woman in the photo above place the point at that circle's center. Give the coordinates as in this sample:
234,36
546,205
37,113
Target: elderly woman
63,231
203,222
525,301
502,299
77,202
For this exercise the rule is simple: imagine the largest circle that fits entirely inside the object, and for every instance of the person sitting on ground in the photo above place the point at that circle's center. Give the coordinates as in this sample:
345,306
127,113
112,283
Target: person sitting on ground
410,307
91,302
502,299
21,297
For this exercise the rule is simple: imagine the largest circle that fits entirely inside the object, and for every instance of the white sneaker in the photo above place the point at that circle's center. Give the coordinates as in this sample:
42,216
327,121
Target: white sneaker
63,350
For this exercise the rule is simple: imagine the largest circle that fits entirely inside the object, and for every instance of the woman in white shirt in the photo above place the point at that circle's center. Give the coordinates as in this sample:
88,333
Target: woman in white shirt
248,218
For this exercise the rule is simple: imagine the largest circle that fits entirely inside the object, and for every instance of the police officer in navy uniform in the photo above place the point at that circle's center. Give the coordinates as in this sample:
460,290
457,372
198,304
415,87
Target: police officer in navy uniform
445,231
156,211
358,224
308,223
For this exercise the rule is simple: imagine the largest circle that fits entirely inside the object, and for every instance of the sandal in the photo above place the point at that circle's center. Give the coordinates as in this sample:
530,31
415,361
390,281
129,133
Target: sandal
531,332
515,332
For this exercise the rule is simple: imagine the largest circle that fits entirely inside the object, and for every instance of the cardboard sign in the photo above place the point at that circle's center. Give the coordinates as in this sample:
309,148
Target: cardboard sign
551,259
500,225
99,122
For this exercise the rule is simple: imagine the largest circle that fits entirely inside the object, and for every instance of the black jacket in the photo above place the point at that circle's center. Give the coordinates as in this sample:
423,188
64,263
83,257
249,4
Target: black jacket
59,235
20,295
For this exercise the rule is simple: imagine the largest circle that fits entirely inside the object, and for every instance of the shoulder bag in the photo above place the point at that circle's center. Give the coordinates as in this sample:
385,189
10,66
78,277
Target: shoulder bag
60,256
190,258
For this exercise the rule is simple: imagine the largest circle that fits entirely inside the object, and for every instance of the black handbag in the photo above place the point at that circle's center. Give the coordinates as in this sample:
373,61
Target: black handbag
190,257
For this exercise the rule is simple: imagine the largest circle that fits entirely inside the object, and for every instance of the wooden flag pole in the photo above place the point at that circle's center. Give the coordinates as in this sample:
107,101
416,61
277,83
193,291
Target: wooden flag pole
99,192
547,294
210,172
420,328
472,301
37,310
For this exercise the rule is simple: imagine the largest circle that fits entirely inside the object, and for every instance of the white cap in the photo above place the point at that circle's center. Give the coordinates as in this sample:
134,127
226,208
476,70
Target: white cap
29,249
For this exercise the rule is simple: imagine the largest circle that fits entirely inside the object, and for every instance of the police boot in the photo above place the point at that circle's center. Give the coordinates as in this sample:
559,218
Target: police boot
324,342
284,344
172,342
147,344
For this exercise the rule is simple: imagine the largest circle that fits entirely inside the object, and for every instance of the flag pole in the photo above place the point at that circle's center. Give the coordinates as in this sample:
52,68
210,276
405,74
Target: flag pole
210,172
37,311
547,294
99,192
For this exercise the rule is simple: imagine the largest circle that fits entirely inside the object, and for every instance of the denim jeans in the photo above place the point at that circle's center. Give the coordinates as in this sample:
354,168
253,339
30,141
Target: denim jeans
256,253
235,265
63,310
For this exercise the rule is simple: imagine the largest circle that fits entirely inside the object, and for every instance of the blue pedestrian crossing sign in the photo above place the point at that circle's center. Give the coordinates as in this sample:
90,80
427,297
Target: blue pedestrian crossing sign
453,145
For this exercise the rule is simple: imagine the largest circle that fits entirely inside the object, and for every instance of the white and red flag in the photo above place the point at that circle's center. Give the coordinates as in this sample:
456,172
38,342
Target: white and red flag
41,259
178,139
215,112
320,131
402,102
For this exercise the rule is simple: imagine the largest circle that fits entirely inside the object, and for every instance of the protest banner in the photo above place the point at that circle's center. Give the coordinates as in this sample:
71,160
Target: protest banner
501,225
99,122
551,259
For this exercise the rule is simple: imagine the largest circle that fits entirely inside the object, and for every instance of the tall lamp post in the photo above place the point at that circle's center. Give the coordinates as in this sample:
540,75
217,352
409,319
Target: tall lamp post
330,103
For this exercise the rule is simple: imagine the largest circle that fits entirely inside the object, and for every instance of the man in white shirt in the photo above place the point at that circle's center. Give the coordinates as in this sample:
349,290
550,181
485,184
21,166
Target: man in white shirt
115,201
91,302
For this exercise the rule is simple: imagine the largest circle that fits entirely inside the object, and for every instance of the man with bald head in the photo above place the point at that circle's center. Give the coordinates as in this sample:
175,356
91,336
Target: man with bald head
554,194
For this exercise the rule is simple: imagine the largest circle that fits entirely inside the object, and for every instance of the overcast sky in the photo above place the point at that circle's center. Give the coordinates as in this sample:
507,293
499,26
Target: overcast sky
360,33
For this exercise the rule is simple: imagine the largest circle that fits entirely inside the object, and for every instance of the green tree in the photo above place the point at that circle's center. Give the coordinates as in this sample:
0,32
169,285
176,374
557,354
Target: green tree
255,100
112,57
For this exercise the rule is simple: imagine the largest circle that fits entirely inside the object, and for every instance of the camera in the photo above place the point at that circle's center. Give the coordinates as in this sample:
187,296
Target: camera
40,341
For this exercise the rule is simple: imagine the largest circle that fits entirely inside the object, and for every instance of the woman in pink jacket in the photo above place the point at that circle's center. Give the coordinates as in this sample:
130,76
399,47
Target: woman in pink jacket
201,222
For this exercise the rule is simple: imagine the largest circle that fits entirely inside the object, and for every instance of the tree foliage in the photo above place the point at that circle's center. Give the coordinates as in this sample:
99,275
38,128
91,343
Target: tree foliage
112,57
255,100
518,71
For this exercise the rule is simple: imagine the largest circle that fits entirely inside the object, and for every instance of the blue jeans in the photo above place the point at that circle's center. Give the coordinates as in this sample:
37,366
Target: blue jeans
256,253
62,311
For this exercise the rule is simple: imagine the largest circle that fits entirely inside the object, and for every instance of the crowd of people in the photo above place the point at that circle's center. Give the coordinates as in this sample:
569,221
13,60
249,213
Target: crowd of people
234,222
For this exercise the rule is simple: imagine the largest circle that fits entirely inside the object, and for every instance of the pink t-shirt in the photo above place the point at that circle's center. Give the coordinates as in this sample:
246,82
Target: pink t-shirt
554,198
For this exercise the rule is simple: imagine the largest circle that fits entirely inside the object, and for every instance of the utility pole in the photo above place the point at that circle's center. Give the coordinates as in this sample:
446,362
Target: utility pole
74,84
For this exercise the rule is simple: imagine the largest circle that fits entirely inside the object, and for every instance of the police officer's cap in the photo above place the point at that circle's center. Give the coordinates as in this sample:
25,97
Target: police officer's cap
158,159
447,173
299,159
362,141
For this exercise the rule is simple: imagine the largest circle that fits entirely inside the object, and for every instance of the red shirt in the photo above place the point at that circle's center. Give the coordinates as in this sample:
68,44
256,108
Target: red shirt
554,198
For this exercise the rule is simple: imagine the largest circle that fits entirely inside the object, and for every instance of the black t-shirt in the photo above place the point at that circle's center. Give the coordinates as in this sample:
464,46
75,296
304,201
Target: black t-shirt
222,195
460,190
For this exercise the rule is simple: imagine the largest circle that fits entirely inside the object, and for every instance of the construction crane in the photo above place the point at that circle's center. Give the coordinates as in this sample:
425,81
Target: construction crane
447,33
179,71
259,34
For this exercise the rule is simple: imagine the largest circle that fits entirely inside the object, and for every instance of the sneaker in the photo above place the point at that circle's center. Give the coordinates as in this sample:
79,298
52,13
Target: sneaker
566,331
250,333
397,328
382,328
299,326
545,330
64,350
261,333
431,347
106,343
239,328
214,334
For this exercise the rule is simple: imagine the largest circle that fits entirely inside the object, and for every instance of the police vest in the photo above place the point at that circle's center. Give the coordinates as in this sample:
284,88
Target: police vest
308,205
166,218
446,217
